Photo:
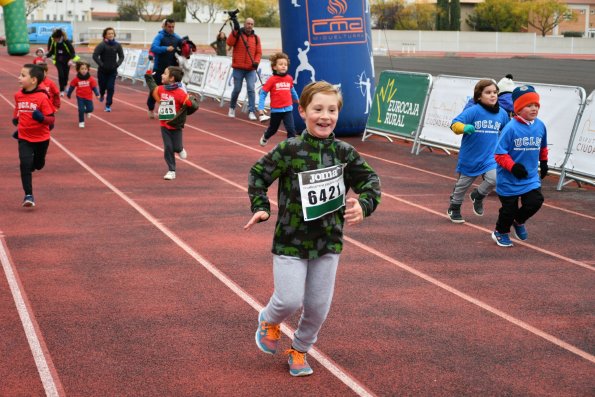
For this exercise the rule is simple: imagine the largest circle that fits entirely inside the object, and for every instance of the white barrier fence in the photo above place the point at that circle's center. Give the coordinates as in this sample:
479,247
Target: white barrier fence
561,109
565,110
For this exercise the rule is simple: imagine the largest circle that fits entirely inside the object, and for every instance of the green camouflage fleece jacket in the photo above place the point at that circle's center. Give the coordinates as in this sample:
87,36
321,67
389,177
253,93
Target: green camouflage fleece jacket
293,235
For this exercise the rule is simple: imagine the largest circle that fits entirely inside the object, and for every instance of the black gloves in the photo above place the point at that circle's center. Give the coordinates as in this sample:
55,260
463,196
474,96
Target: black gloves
543,168
236,24
519,171
255,65
15,122
38,116
15,135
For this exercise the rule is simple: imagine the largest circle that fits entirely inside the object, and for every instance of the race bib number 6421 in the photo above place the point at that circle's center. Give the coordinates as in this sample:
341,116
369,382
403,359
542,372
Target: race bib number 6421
322,191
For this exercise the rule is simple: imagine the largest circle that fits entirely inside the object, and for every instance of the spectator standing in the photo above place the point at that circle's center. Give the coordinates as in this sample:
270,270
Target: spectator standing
62,54
164,52
220,45
246,55
108,55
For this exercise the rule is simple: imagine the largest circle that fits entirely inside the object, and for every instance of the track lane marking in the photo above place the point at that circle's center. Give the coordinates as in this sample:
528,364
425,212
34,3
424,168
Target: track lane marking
43,360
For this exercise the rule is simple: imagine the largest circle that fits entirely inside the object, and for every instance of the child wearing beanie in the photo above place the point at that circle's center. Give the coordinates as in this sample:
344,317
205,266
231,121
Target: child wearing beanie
522,147
39,56
480,125
505,88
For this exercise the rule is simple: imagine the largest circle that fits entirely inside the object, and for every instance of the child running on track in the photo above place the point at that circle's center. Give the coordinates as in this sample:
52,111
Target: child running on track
315,172
280,85
174,104
39,56
480,125
51,87
521,148
34,117
85,86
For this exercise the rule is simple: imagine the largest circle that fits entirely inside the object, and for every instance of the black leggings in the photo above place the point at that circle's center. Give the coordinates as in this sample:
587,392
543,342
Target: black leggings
63,71
531,202
32,157
172,143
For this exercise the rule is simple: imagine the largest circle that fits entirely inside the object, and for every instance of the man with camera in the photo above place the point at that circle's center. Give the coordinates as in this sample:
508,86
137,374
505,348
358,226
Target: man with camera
246,55
164,48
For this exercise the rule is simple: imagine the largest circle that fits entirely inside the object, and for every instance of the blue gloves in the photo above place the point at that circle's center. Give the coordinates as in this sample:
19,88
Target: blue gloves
519,171
469,129
38,116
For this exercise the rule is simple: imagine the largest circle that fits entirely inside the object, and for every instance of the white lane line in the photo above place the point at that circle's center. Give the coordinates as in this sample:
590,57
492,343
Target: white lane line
43,361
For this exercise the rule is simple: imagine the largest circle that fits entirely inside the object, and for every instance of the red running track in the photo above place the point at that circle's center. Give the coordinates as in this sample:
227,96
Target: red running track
121,283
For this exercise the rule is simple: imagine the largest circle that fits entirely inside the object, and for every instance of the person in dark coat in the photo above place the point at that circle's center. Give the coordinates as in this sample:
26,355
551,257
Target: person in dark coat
108,55
62,54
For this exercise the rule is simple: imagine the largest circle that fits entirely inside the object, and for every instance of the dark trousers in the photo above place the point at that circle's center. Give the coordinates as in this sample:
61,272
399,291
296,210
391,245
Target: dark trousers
63,71
107,82
531,202
32,157
150,99
172,143
85,106
276,118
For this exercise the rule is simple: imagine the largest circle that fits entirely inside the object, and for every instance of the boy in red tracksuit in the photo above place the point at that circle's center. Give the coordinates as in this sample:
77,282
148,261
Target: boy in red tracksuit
283,94
173,104
85,86
34,117
51,87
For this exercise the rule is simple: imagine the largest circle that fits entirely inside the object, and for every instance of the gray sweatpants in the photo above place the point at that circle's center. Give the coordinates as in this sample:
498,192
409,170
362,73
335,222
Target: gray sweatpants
464,182
302,283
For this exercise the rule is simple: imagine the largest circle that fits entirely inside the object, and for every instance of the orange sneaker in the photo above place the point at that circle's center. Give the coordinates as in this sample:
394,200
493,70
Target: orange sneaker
298,366
267,336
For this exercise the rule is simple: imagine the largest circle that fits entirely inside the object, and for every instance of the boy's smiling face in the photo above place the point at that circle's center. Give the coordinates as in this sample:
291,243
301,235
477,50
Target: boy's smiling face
321,114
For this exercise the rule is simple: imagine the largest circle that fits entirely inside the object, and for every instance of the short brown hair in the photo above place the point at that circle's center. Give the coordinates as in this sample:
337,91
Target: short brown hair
319,87
107,30
176,72
480,86
43,65
278,55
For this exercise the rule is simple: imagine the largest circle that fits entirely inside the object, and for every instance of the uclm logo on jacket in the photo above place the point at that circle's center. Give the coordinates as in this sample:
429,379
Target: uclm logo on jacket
335,22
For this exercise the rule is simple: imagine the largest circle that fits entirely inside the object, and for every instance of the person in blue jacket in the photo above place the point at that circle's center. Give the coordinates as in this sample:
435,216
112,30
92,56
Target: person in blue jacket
480,125
164,48
522,157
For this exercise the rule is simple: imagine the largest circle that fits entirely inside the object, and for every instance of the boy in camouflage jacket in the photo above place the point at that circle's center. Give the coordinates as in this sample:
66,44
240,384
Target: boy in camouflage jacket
315,172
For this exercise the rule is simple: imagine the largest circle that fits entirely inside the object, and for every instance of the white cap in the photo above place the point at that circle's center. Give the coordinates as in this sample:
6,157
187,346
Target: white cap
506,84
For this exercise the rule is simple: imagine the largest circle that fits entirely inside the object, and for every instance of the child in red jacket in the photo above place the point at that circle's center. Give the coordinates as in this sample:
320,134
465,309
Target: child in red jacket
51,87
34,117
85,86
283,94
174,103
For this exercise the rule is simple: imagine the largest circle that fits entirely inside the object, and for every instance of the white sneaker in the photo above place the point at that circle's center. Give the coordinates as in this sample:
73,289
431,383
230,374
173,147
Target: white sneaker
263,141
82,125
263,118
61,93
183,154
170,175
151,114
88,115
252,116
231,113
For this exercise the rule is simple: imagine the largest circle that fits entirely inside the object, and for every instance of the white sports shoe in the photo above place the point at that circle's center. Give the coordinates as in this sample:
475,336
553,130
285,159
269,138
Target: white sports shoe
252,116
263,141
264,118
183,154
82,124
151,114
170,175
88,115
231,113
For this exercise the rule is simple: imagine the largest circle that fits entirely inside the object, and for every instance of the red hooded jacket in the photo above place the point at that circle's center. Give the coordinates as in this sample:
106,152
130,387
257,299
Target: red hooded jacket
240,57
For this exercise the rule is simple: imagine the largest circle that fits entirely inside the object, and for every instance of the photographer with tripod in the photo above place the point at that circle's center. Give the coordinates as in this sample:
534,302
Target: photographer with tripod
246,56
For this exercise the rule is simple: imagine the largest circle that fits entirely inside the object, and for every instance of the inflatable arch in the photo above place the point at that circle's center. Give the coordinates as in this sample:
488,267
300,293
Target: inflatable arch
331,40
15,26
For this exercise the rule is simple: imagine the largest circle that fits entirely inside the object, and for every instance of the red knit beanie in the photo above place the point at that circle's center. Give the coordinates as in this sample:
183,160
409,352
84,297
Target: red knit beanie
524,96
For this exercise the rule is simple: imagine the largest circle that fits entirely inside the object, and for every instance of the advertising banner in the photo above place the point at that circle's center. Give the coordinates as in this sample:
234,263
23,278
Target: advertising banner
216,77
198,70
398,103
582,157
